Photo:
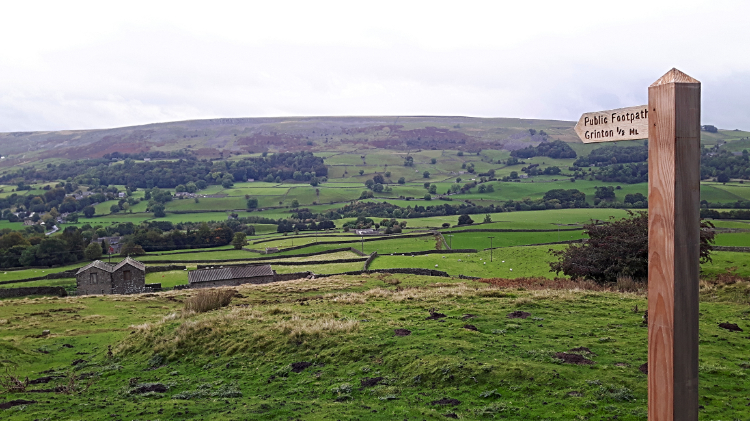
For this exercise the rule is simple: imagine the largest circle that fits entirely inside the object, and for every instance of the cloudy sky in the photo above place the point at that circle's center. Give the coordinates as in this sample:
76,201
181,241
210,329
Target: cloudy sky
79,65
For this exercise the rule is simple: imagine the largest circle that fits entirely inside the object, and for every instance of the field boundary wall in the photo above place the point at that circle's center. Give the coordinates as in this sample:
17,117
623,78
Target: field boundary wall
26,291
732,248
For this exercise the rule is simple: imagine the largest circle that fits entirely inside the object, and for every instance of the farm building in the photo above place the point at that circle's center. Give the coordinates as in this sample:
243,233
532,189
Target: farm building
230,276
126,277
366,232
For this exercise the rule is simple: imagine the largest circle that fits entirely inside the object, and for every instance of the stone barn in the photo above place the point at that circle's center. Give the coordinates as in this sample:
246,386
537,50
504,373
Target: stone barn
230,276
126,277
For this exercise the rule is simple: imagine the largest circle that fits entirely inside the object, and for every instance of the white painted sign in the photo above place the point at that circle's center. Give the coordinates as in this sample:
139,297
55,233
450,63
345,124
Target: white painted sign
610,126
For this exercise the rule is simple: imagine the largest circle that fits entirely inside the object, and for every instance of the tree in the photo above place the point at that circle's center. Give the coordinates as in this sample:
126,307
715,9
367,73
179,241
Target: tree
377,188
401,180
252,203
378,179
617,248
465,219
361,172
487,218
369,184
295,203
239,240
433,161
114,209
131,249
93,251
514,175
605,193
722,178
433,189
460,153
89,211
388,174
427,197
158,210
427,185
426,174
490,189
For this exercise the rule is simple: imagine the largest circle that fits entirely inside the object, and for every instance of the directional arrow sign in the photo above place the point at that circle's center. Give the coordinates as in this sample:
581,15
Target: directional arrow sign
610,126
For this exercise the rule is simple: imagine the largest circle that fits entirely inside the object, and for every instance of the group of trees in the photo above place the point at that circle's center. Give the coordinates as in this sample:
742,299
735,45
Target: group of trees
378,183
554,199
611,154
555,149
58,200
392,226
724,165
534,169
30,247
301,166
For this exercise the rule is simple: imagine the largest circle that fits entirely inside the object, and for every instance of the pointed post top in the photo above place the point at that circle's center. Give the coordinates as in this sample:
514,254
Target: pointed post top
674,76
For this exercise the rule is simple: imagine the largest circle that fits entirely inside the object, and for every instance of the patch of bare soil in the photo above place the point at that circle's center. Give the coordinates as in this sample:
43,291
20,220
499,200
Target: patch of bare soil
575,393
370,381
10,404
643,368
298,367
451,415
402,332
622,365
573,358
544,283
45,379
518,315
732,327
468,316
582,349
446,401
471,327
434,315
153,387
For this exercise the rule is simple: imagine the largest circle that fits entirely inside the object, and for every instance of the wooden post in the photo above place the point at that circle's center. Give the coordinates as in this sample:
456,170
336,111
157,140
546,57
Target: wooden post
674,103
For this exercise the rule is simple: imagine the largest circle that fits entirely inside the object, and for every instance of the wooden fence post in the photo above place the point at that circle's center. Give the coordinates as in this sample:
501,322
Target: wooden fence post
674,103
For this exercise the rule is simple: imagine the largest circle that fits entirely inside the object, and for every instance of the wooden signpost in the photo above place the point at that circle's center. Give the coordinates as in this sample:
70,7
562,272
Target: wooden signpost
672,127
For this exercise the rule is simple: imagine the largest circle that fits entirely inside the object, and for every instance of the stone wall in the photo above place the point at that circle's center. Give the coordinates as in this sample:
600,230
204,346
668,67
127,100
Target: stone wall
23,292
732,248
281,277
408,271
421,253
167,268
369,260
314,262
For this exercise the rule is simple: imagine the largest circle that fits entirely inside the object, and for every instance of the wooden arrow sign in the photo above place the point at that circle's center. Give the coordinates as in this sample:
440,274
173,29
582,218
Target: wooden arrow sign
610,126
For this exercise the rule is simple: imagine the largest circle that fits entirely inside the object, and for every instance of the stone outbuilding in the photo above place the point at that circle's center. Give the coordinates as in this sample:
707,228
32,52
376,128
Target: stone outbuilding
126,277
230,276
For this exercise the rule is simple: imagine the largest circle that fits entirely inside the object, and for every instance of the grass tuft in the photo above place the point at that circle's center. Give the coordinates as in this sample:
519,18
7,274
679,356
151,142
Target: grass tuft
209,299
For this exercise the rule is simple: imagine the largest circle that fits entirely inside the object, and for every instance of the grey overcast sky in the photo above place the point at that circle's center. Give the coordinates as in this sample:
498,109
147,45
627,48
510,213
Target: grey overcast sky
83,65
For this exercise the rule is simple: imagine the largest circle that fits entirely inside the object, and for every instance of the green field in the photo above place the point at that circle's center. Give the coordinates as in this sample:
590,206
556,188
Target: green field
480,240
736,239
510,262
235,362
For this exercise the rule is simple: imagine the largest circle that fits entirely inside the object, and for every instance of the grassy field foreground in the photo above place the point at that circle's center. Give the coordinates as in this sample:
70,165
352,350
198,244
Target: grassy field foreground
330,349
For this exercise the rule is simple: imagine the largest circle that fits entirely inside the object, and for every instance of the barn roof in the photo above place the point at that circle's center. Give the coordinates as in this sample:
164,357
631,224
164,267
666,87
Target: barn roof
136,264
227,273
97,264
